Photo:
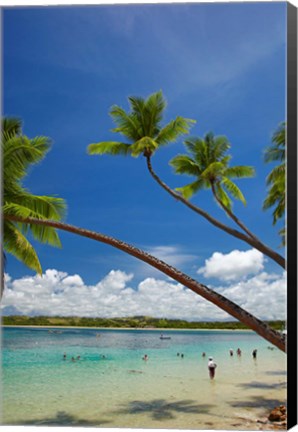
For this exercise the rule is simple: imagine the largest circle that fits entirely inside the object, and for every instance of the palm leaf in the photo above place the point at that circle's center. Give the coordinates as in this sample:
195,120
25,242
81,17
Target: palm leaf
282,233
221,146
279,136
20,152
155,105
127,124
138,109
184,164
189,190
213,171
274,153
277,175
174,129
239,171
39,208
145,144
113,148
17,244
233,189
11,126
197,149
223,196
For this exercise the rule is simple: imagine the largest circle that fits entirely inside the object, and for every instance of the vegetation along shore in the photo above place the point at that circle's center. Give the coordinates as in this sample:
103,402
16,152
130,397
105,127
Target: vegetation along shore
142,322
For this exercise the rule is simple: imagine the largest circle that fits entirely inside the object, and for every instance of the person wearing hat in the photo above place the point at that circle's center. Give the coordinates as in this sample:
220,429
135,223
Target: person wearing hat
211,366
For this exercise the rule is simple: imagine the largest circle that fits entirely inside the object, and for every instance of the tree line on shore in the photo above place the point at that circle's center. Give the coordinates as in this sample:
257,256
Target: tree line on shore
129,322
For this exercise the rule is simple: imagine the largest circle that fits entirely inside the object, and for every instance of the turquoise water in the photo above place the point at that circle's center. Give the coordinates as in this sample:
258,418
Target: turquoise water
122,390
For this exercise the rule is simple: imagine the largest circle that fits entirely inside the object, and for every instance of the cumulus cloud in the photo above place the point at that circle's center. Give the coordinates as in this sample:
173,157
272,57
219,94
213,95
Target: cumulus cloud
264,295
57,293
234,265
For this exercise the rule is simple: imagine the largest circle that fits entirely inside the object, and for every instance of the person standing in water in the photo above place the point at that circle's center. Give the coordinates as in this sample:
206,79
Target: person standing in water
211,366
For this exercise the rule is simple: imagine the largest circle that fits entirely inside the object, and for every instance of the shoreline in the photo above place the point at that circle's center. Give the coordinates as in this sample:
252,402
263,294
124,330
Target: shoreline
127,328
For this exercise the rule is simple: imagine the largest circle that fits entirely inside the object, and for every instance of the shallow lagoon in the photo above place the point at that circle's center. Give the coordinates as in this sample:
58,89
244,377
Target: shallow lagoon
122,390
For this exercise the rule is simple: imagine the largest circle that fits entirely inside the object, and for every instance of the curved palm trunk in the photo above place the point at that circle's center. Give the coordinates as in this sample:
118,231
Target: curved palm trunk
253,241
217,299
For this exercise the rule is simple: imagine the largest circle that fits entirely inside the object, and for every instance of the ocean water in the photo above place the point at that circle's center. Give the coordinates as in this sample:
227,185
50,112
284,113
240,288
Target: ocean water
111,386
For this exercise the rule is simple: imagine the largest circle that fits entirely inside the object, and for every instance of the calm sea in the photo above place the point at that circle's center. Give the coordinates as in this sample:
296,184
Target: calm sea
111,386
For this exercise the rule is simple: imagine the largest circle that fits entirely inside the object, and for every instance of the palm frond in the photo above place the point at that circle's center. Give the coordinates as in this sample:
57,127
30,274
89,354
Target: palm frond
190,189
155,105
277,175
233,189
220,147
26,205
213,171
37,206
11,126
240,171
282,233
144,145
184,164
197,148
274,153
279,136
173,130
127,124
138,109
113,148
20,152
223,196
16,244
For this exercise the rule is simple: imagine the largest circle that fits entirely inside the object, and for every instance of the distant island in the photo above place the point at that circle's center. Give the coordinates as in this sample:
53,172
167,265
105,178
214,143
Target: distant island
141,322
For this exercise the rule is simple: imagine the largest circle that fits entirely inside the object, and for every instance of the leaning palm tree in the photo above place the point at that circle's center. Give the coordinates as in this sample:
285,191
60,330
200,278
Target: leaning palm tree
144,136
276,180
208,162
19,153
23,211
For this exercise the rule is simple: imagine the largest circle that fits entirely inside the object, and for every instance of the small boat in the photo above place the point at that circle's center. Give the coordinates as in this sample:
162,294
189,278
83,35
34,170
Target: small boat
164,337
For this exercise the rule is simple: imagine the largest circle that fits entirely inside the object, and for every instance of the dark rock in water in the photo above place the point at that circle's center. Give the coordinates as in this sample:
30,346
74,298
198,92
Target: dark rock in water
278,414
275,415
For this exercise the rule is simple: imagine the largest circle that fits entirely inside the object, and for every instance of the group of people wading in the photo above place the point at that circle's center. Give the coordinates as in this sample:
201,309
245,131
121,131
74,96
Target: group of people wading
212,365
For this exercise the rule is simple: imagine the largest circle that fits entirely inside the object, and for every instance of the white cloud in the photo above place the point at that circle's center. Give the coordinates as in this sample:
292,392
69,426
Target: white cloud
264,295
57,293
73,280
234,265
171,254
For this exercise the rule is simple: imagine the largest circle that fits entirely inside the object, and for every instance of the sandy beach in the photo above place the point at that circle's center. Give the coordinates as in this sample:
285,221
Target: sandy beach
111,386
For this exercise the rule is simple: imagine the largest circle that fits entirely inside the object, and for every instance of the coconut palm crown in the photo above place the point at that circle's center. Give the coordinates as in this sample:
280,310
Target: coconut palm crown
276,180
142,128
19,153
208,162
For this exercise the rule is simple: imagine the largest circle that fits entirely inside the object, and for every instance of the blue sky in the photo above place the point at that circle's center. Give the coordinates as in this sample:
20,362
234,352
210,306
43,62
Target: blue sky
220,64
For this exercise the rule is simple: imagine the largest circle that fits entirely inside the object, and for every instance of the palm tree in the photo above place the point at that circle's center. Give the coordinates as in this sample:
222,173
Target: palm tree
209,163
217,299
276,180
23,211
145,135
19,153
142,128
